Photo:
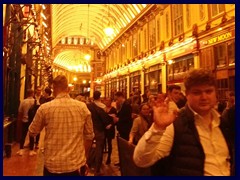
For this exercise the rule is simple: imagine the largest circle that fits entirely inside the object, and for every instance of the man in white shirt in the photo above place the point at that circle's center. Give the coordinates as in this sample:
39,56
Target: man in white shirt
195,142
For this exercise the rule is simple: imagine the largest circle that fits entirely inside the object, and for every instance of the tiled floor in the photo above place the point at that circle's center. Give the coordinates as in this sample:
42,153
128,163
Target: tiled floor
33,165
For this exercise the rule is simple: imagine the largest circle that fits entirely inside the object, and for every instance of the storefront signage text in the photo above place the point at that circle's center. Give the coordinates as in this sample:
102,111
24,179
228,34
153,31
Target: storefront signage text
221,37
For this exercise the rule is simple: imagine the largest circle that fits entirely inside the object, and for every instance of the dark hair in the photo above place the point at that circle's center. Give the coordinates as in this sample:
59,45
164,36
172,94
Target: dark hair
48,91
172,87
199,77
96,95
119,94
143,104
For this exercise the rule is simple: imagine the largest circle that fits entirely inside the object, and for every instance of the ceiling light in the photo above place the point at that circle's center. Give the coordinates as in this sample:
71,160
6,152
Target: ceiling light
107,22
87,57
108,31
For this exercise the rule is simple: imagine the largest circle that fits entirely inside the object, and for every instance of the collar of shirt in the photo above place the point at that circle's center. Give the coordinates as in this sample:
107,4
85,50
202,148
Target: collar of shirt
215,117
62,95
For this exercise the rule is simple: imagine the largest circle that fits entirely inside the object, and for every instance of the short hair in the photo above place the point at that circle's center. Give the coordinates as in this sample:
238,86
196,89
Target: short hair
119,94
174,86
61,82
96,95
48,91
30,92
200,76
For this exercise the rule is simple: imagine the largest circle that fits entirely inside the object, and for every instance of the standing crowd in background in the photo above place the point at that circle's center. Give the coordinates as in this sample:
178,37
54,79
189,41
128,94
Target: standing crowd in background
180,133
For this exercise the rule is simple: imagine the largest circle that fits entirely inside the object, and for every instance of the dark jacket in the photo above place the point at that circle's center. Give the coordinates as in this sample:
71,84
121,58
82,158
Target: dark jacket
99,117
124,124
110,133
187,156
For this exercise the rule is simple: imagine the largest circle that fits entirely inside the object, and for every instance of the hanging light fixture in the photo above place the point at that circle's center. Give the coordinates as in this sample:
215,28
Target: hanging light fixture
108,29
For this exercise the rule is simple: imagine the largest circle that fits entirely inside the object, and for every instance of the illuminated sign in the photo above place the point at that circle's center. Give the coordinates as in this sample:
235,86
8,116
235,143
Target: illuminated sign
219,38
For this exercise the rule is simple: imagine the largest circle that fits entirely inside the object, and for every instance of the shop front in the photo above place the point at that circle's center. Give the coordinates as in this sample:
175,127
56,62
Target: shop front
123,85
218,54
153,79
179,62
135,79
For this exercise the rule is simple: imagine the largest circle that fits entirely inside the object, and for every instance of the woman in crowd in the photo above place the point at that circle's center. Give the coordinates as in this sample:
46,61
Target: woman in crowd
140,124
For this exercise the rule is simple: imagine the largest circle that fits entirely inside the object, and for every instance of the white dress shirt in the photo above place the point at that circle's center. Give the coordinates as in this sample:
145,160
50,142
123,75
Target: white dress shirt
155,145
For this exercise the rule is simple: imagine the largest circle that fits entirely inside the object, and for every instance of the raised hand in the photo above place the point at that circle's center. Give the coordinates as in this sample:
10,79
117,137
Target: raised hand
162,118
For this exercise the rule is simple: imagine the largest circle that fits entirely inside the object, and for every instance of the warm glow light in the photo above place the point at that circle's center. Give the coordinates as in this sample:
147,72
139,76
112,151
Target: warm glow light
170,61
45,25
75,79
43,6
44,17
87,57
84,81
89,68
108,31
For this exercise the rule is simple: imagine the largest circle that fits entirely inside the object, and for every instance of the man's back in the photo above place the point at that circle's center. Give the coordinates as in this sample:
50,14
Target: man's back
68,123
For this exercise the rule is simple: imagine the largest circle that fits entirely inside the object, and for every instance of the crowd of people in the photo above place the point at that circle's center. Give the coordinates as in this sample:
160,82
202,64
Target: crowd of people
191,131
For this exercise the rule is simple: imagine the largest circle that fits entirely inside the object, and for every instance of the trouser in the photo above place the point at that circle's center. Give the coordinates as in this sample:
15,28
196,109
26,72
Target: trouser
109,145
47,173
25,126
124,135
37,139
100,140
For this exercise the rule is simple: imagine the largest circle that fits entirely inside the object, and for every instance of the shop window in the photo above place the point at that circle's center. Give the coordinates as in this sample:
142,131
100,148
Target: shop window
207,58
153,81
231,52
177,12
170,72
139,42
222,89
158,30
232,83
201,12
135,45
217,9
167,25
145,39
220,55
188,15
180,67
152,34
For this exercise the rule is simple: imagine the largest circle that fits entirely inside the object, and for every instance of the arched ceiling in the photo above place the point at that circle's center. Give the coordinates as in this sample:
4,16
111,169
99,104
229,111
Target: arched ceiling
88,21
73,60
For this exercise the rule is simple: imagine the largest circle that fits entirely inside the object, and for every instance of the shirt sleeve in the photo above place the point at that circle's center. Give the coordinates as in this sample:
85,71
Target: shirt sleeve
153,145
135,126
37,124
88,126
